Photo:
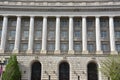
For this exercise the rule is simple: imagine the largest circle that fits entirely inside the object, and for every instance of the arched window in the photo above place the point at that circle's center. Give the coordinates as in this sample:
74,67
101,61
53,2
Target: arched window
36,71
92,71
64,71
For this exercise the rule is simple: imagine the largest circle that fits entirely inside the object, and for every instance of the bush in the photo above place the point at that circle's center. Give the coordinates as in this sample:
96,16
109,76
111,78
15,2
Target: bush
12,71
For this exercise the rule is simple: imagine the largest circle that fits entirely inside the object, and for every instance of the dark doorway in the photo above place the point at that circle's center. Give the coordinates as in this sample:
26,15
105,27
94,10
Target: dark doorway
64,71
36,71
92,71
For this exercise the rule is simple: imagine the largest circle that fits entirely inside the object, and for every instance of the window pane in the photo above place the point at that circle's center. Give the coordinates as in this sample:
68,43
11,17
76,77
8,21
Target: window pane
77,34
117,34
105,47
103,34
51,46
37,46
26,34
118,47
12,34
11,46
64,34
64,47
90,34
24,46
38,34
77,47
90,47
51,34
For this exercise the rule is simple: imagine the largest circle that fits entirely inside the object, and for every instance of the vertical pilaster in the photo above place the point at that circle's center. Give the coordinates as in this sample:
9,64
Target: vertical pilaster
84,35
17,36
4,34
112,36
57,36
98,39
31,35
71,51
44,35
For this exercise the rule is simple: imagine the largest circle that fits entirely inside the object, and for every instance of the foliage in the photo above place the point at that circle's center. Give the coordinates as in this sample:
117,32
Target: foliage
12,71
110,67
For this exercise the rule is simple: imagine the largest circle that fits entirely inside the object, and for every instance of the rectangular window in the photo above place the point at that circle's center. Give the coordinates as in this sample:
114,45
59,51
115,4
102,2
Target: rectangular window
26,34
118,47
103,34
64,47
117,22
117,34
37,47
24,46
77,34
51,34
51,46
90,34
51,23
13,23
77,47
105,47
12,34
64,35
90,23
104,23
91,48
77,23
38,34
11,46
38,24
26,24
64,23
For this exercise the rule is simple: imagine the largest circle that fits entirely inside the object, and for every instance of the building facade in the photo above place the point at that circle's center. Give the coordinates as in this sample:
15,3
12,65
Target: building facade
60,39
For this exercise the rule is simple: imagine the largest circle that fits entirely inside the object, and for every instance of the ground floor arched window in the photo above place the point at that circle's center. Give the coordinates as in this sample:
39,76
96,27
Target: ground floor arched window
36,71
64,71
92,71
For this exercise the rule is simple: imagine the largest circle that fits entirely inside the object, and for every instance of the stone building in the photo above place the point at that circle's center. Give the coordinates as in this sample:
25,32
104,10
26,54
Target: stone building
60,39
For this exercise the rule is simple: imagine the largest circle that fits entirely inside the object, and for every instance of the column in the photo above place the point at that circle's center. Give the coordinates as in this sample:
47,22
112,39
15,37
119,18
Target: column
4,33
98,39
31,35
84,35
44,35
17,36
112,36
57,36
71,51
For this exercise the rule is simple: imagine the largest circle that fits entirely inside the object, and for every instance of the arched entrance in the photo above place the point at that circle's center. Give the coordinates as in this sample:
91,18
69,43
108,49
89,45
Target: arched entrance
92,71
64,71
36,71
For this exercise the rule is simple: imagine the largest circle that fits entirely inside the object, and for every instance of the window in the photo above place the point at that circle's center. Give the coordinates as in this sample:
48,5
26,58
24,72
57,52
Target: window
90,34
64,47
24,46
51,34
37,47
90,23
26,23
117,34
51,23
104,23
118,47
103,34
12,34
117,23
25,34
91,47
38,24
51,46
11,46
13,23
64,23
77,23
38,34
105,47
1,23
77,47
77,34
64,34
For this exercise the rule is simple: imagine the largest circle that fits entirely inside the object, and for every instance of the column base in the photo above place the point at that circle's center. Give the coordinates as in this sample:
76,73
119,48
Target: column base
57,52
114,53
2,51
71,52
29,51
15,51
99,52
84,52
43,52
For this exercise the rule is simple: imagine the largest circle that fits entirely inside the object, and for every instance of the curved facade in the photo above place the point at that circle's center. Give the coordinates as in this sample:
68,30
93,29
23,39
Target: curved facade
52,32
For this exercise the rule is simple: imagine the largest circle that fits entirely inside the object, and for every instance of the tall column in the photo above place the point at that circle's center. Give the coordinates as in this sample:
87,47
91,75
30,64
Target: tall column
57,36
112,36
71,51
17,36
44,35
31,35
84,36
98,41
4,34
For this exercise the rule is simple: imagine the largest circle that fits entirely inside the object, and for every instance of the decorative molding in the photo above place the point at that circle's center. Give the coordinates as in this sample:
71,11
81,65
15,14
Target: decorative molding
59,3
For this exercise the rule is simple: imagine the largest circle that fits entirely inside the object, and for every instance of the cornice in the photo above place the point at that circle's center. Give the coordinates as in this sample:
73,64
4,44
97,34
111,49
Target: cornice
59,3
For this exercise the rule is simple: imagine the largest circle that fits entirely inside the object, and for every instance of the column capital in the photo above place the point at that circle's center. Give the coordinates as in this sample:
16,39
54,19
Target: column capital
5,15
71,16
84,16
58,16
97,16
45,16
111,16
32,16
